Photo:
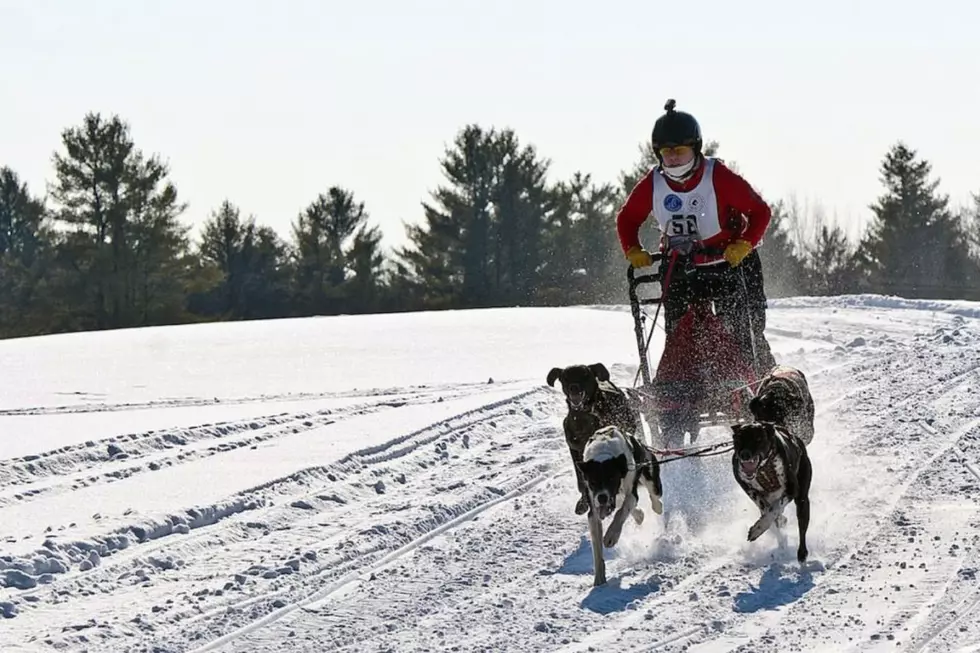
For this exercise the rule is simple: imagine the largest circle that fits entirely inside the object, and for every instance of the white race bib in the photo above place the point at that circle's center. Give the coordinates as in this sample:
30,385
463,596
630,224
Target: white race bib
691,215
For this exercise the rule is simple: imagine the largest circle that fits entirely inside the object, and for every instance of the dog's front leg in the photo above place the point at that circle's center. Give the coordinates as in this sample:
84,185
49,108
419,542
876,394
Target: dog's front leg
637,511
803,517
792,493
769,516
802,499
656,500
619,520
761,504
582,504
595,535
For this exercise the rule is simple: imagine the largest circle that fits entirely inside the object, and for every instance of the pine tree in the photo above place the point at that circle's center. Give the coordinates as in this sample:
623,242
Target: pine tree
254,277
429,269
450,253
446,259
365,287
21,218
161,262
25,241
830,262
267,286
110,196
782,269
584,263
225,238
599,251
481,240
521,205
562,275
915,246
971,220
322,233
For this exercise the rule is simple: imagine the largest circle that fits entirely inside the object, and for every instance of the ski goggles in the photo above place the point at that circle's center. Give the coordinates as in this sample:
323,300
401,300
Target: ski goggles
675,150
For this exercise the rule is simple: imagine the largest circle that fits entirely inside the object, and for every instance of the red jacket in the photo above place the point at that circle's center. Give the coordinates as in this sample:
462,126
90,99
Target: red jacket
748,213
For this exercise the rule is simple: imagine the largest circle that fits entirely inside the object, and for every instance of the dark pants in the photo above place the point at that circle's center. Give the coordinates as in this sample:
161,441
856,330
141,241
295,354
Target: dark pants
739,298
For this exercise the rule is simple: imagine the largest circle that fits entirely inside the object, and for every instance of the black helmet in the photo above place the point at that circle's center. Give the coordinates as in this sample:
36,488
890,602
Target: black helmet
676,128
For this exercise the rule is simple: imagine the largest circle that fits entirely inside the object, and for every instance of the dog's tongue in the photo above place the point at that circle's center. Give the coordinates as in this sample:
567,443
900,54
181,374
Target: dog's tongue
749,466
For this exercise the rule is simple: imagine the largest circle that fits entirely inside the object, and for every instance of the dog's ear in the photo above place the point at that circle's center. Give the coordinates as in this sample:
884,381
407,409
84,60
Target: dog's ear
600,371
754,406
554,375
736,429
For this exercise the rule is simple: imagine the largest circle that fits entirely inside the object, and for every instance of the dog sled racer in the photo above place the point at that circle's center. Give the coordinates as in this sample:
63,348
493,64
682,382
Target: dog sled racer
697,198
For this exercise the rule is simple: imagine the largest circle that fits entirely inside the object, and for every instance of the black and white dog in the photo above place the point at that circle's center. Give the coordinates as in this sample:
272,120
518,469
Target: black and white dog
772,467
614,465
783,397
593,401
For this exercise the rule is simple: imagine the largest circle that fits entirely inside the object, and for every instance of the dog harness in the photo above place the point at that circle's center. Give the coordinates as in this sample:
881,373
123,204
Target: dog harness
765,471
603,450
765,475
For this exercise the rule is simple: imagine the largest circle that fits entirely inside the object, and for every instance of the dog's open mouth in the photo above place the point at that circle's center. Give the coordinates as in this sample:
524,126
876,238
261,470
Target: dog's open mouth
750,466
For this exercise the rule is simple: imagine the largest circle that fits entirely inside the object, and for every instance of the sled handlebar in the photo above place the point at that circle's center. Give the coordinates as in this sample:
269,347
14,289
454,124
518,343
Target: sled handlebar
685,262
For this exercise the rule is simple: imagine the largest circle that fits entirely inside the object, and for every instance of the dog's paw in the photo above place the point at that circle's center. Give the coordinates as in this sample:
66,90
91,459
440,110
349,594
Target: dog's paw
802,553
781,521
658,506
638,515
582,506
610,539
757,530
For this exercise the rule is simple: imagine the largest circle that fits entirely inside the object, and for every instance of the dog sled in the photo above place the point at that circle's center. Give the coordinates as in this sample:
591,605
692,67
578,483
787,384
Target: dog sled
702,378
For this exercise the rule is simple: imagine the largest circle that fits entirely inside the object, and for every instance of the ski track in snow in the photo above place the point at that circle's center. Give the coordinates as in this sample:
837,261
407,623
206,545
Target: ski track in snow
457,533
80,465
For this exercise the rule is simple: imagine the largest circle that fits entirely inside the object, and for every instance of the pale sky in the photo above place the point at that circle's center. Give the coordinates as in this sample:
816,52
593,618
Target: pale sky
270,103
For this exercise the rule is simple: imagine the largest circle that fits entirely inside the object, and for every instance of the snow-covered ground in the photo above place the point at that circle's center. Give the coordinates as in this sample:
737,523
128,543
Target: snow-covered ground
400,483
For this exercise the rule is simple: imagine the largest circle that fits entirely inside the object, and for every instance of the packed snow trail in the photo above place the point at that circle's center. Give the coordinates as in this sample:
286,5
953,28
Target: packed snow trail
422,509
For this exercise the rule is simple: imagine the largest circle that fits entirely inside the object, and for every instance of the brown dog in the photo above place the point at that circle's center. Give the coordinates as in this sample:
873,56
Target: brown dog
783,398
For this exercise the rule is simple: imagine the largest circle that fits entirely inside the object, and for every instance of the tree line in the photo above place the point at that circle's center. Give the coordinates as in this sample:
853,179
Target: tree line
105,247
